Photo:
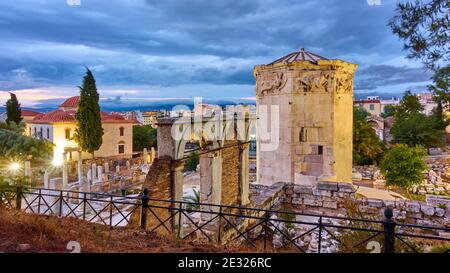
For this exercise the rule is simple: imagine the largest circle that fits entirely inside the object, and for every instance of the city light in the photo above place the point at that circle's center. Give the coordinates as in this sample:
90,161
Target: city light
57,162
14,166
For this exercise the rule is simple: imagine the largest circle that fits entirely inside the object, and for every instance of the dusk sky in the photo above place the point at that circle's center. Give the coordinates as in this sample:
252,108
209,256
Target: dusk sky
145,50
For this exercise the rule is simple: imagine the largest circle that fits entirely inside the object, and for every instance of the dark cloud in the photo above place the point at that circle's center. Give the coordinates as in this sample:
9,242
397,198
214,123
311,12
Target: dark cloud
173,42
375,76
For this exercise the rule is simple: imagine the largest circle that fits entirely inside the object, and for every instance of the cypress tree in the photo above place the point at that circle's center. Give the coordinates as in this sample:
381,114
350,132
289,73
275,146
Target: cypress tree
13,111
89,130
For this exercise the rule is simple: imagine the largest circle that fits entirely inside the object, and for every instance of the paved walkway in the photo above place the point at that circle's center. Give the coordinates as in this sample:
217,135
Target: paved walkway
379,194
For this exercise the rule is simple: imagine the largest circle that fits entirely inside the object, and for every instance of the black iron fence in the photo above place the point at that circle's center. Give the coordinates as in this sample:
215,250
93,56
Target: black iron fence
252,228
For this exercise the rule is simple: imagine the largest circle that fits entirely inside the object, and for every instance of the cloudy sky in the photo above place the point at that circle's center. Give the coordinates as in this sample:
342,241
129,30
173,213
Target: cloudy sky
146,50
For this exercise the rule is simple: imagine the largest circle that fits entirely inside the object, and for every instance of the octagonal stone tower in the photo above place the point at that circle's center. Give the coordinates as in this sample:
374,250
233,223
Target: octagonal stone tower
315,99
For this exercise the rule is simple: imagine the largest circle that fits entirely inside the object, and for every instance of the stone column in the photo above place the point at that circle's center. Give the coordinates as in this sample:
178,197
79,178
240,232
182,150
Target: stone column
89,176
177,194
145,156
99,174
93,172
80,168
210,182
65,175
128,165
244,150
153,153
27,169
106,165
56,184
46,181
117,169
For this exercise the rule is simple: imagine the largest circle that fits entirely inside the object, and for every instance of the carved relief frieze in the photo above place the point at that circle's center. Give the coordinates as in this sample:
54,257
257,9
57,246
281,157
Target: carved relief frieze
316,81
271,83
344,83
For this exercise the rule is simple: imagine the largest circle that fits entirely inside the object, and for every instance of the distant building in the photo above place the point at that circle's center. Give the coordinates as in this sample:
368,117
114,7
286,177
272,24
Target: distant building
372,105
58,126
426,100
389,102
27,115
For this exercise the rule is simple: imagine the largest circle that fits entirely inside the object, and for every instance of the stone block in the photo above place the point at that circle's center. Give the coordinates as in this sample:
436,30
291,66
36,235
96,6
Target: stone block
312,202
330,204
346,187
412,206
389,203
439,212
303,189
399,214
327,185
326,193
427,210
377,203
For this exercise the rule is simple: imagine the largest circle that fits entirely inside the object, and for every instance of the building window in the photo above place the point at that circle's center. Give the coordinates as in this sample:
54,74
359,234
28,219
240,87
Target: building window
35,132
303,135
67,133
29,130
48,133
121,129
41,135
320,150
121,148
372,107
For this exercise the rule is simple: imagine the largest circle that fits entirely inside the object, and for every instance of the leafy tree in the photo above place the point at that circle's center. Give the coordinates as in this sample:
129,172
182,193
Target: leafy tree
89,131
409,104
441,86
388,111
417,129
143,137
438,118
192,162
17,146
13,111
14,127
424,27
413,128
403,166
367,147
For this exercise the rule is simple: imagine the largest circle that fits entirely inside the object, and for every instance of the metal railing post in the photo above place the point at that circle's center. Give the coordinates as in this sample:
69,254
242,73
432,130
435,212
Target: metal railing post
61,196
84,206
39,201
144,202
266,229
19,194
320,235
389,231
180,224
219,232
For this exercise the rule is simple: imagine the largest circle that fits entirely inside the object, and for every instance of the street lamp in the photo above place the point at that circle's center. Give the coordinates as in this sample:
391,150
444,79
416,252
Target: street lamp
14,166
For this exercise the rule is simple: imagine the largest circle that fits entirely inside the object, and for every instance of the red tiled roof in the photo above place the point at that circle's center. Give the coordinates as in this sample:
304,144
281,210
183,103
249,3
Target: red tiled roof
29,113
57,115
367,101
71,102
60,115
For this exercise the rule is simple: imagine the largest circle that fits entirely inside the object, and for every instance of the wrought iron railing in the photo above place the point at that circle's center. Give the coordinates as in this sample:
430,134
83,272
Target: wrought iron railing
256,229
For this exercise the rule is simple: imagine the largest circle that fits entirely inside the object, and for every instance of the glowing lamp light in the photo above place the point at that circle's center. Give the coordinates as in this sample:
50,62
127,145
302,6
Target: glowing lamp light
57,162
14,166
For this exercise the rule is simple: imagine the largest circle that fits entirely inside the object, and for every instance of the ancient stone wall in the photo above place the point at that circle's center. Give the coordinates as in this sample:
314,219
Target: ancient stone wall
230,176
159,184
329,198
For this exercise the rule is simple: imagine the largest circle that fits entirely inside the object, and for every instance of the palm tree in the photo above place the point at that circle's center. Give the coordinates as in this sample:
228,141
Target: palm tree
194,201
